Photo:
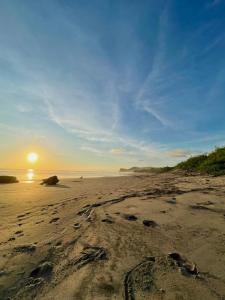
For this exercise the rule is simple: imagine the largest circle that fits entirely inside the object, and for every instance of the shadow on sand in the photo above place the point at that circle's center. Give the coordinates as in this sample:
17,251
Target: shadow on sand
63,186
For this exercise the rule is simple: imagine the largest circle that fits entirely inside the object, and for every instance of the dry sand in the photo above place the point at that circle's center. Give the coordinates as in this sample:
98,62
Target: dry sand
85,239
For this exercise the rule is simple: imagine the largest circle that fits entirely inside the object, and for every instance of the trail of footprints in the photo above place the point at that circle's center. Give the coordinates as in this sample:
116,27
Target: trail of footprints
141,278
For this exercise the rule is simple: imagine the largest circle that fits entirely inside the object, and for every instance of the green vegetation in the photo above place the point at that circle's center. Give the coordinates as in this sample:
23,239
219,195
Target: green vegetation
212,163
147,169
192,163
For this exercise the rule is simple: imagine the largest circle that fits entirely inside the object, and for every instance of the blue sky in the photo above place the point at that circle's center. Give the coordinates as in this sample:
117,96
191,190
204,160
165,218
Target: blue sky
104,84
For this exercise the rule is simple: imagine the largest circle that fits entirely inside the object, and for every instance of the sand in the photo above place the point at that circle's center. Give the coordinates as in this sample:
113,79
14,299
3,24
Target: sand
86,239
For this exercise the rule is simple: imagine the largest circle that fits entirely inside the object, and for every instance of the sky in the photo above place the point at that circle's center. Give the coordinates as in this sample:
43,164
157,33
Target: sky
99,85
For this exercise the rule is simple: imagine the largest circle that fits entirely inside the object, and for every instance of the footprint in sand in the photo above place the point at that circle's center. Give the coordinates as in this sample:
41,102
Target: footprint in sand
172,201
21,216
54,220
130,217
109,221
38,222
19,232
150,223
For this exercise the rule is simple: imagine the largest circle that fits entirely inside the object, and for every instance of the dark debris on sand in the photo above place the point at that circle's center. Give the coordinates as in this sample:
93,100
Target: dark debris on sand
187,268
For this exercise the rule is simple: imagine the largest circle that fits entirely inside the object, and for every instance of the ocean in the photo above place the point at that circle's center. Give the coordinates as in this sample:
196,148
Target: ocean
36,175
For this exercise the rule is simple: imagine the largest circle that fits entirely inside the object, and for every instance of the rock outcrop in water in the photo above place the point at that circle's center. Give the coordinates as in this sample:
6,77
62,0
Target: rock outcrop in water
53,180
8,179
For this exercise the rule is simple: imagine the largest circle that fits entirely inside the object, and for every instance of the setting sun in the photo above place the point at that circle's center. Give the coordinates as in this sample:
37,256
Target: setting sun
32,157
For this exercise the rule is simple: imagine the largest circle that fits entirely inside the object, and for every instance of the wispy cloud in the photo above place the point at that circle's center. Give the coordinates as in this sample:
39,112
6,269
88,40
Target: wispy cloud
179,153
118,151
91,149
146,95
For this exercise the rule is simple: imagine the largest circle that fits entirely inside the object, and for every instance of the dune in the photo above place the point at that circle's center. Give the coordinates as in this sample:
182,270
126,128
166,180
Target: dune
152,236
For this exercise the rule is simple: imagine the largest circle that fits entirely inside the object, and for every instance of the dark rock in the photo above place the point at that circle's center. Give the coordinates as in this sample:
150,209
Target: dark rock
53,180
43,270
150,223
8,179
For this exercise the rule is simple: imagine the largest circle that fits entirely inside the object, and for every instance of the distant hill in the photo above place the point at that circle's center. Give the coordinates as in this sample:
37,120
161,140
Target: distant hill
212,163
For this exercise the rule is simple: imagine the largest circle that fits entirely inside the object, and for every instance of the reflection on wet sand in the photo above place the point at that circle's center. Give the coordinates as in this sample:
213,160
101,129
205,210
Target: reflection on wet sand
30,175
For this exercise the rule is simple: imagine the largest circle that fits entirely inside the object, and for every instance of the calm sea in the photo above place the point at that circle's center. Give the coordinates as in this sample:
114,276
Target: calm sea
32,174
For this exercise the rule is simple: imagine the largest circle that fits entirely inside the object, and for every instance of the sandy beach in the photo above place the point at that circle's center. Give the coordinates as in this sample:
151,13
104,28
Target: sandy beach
131,237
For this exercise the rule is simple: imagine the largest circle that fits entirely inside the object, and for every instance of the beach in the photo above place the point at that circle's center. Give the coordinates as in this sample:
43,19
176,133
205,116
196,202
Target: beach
145,236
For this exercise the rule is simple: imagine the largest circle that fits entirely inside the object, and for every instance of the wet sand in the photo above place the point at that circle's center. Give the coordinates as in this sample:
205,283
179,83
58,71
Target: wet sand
135,237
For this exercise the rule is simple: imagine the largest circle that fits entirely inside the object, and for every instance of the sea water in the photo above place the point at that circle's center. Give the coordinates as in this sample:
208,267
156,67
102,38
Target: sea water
34,174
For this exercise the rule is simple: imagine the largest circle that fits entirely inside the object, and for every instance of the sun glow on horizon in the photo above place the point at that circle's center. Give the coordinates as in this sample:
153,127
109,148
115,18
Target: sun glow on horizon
32,157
